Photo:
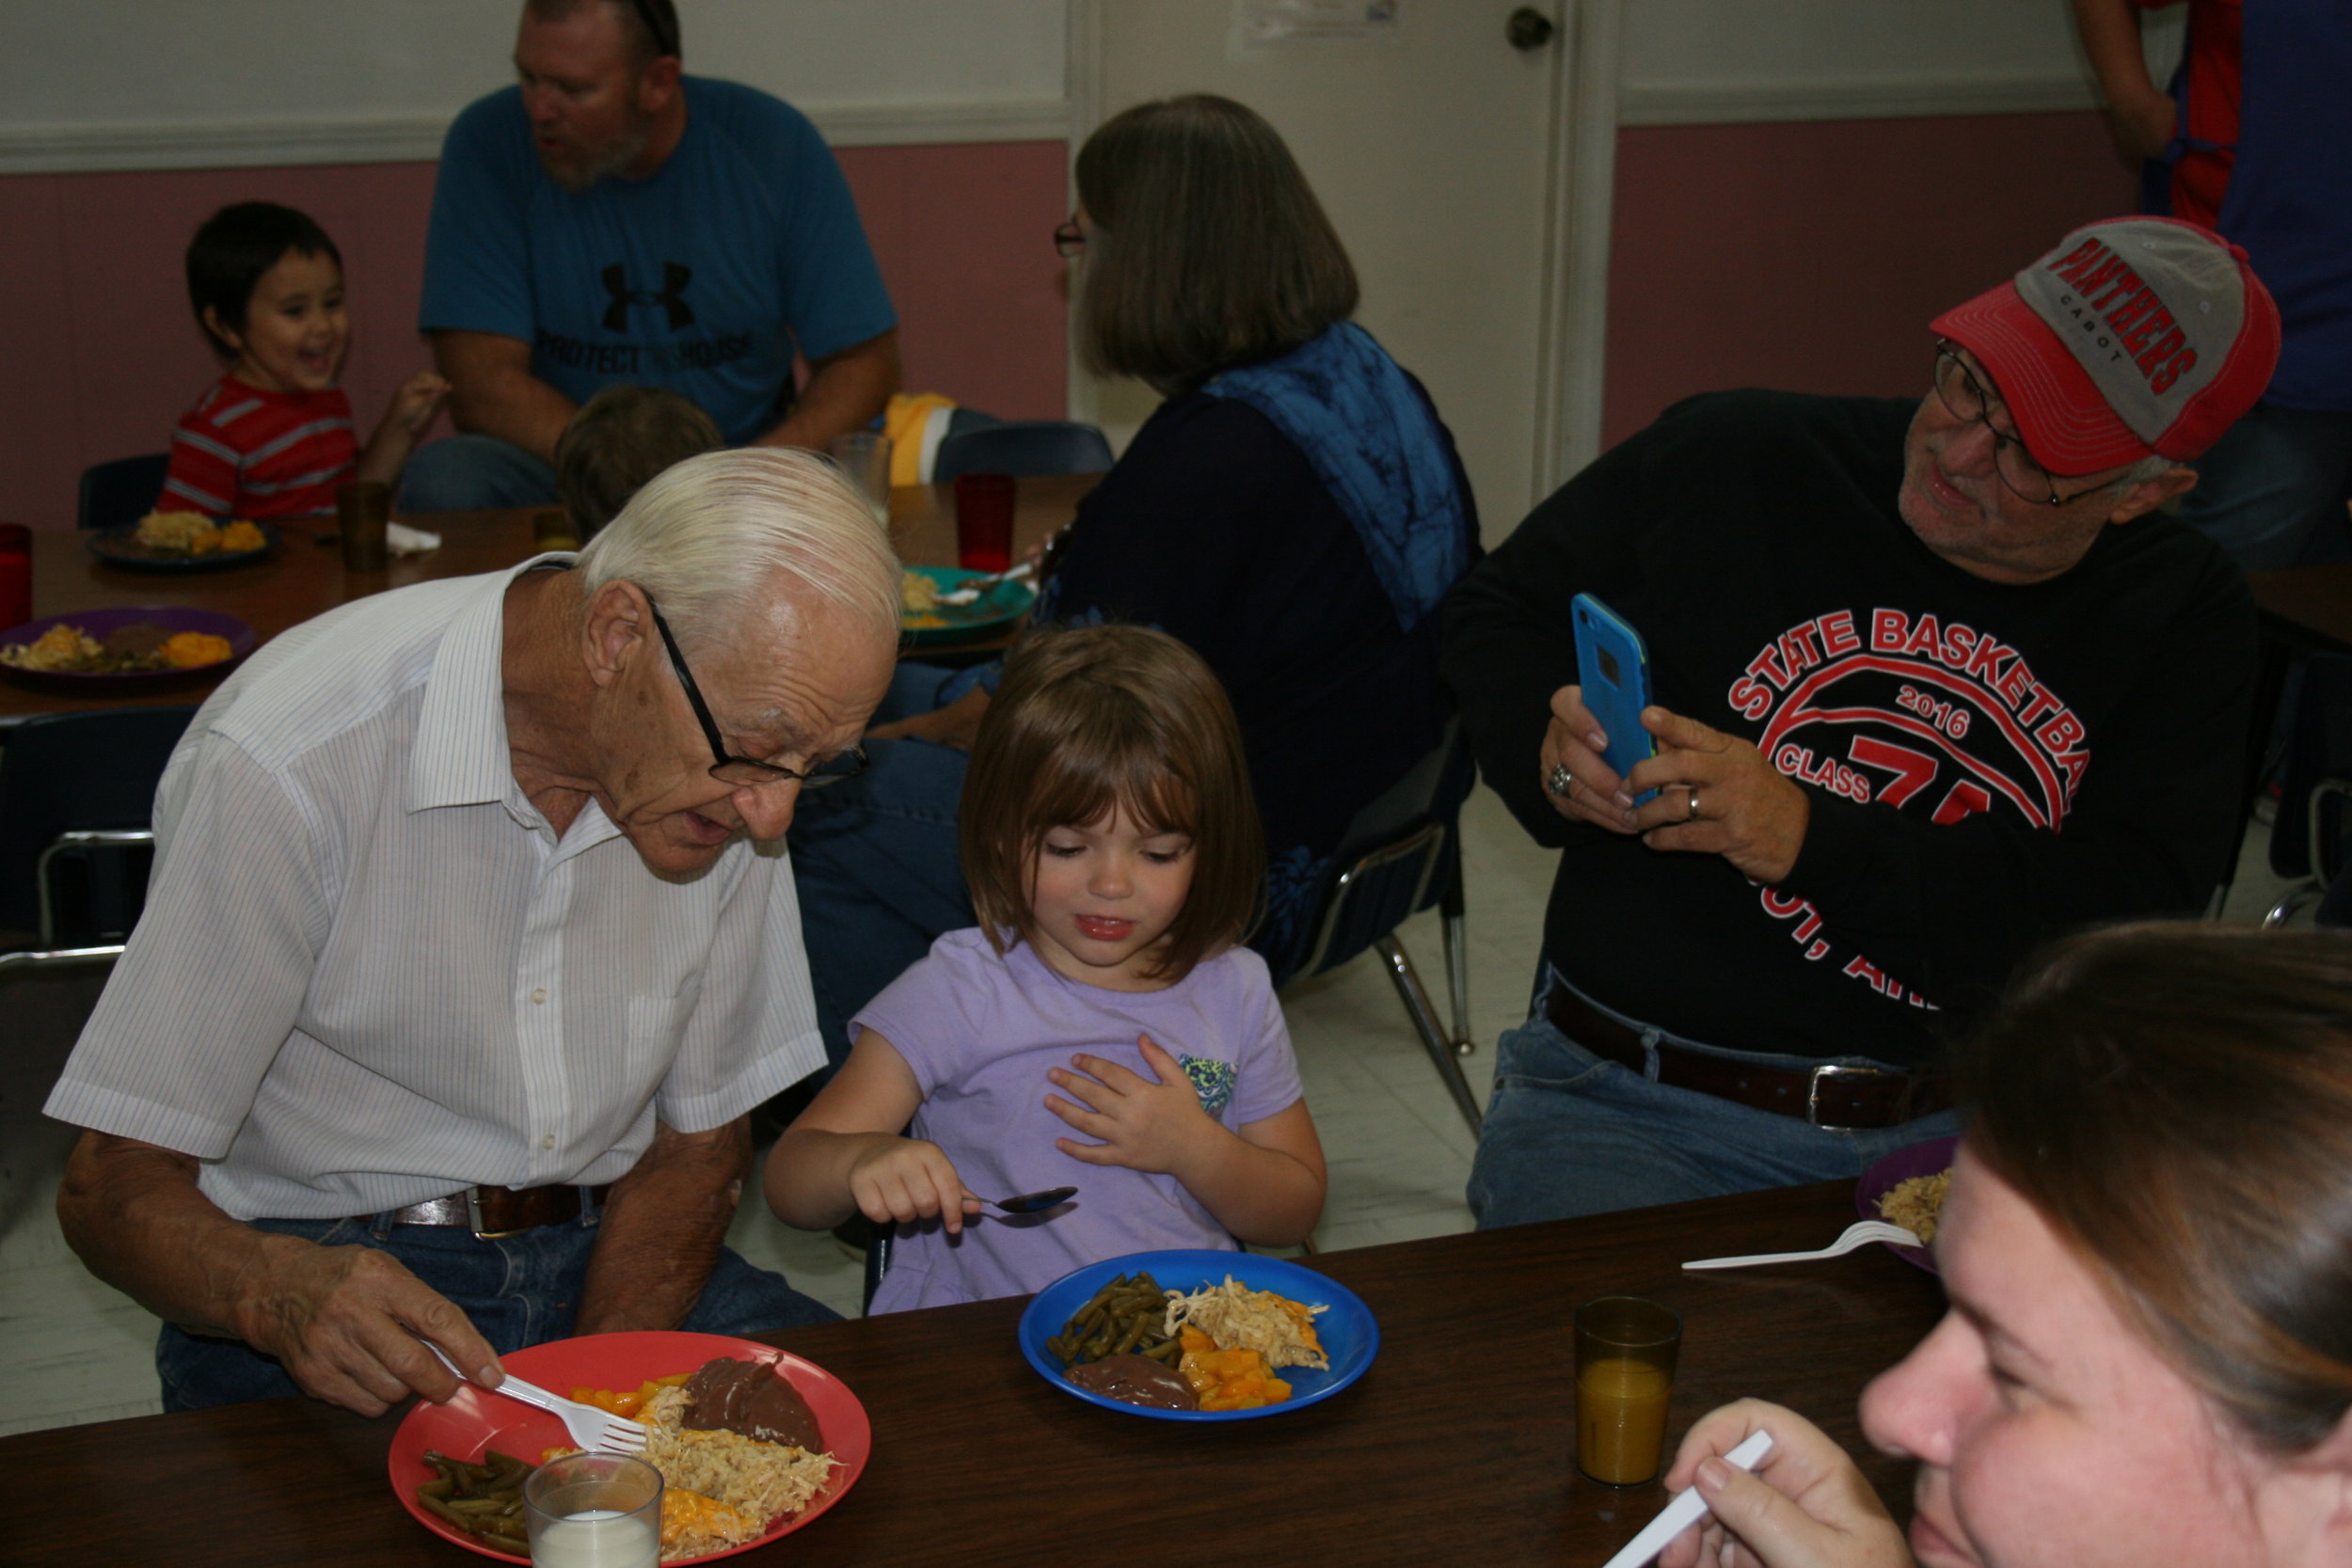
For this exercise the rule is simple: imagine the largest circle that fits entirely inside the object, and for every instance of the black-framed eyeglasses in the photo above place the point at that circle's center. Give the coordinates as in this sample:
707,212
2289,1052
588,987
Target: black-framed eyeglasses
743,771
1070,239
1967,400
661,21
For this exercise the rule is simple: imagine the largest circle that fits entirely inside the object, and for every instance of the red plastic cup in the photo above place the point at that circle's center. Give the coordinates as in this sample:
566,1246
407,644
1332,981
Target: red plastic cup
984,521
16,575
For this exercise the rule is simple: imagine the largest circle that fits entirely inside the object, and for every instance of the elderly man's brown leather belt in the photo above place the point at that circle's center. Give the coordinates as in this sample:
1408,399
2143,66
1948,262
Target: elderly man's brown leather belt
489,1211
1828,1096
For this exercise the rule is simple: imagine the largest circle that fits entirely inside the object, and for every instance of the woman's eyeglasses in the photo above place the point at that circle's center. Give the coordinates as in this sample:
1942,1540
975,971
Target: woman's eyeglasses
1070,239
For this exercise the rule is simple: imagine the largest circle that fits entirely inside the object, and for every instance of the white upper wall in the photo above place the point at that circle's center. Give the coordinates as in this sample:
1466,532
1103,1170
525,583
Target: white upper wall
1731,60
158,83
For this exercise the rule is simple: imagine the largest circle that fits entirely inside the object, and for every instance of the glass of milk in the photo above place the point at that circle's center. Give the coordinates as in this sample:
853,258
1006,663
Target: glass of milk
594,1511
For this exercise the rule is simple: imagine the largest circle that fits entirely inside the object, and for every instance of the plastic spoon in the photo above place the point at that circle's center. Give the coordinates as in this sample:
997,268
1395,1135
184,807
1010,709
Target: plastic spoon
1686,1509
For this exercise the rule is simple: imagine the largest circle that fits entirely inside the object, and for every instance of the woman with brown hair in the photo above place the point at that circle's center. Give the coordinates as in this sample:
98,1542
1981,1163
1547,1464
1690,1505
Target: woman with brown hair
2147,1246
1292,512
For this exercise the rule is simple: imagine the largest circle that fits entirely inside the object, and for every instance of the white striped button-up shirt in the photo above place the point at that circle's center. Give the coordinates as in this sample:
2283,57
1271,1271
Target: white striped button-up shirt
371,974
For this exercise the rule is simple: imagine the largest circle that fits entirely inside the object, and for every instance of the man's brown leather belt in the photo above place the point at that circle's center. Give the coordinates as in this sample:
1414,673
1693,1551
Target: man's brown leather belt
500,1211
1828,1096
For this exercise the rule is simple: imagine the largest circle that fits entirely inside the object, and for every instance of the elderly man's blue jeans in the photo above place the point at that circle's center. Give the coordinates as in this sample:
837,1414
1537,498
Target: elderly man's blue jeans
520,1289
468,473
1568,1132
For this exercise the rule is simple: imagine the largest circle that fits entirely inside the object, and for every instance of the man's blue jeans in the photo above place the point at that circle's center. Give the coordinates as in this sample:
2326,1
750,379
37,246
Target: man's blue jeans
875,863
2271,491
1568,1132
520,1289
467,473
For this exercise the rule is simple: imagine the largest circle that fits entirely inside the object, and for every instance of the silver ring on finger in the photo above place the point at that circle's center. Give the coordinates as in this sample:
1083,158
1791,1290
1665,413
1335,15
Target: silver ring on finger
1693,804
1559,780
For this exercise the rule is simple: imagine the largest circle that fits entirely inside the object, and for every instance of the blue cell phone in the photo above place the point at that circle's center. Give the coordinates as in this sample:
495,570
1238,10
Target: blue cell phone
1613,667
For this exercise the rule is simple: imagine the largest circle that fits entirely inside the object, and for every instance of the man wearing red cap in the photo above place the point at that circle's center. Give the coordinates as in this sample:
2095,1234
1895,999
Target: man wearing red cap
1934,681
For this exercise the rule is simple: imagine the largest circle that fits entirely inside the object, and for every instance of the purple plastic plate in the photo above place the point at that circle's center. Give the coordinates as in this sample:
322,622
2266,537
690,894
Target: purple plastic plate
98,622
1892,1171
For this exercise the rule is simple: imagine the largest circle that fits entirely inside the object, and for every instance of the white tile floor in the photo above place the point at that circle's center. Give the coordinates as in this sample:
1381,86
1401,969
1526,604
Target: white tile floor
78,1350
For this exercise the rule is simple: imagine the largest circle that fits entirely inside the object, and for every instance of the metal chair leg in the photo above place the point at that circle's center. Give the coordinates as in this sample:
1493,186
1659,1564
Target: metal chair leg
57,957
1433,1039
1458,982
2290,903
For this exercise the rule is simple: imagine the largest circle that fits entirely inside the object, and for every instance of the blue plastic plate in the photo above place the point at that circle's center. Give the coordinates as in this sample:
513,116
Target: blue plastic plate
999,606
1350,1338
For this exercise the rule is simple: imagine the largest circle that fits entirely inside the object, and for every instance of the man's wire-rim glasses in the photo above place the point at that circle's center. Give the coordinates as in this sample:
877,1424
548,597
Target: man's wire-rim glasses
1965,396
743,771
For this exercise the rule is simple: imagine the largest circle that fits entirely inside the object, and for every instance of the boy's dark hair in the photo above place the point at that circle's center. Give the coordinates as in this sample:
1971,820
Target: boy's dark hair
617,441
1208,248
232,251
1091,719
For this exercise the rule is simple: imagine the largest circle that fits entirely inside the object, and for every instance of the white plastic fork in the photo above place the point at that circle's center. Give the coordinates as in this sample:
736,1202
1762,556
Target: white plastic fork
974,586
598,1431
1860,1233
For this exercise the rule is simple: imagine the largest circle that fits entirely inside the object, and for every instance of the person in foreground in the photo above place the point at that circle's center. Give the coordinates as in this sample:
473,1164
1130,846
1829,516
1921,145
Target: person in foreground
1292,512
608,219
1932,682
2147,1359
470,947
1115,859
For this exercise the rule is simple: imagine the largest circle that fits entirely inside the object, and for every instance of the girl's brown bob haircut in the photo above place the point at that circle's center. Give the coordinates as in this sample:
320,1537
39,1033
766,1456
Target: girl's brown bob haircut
1089,719
2176,1101
1206,247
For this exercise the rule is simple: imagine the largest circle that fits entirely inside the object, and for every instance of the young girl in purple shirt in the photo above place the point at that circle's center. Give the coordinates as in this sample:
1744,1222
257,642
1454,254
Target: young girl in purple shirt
1102,1028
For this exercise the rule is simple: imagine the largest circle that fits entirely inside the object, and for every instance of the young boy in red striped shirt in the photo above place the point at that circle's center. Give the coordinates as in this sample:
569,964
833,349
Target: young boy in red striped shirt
273,438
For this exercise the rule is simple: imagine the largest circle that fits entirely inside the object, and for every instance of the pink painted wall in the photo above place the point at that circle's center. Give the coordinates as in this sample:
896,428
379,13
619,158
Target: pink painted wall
103,355
1811,256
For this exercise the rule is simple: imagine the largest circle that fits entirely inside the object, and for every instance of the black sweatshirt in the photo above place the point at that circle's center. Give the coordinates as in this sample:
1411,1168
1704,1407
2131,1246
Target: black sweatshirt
2055,754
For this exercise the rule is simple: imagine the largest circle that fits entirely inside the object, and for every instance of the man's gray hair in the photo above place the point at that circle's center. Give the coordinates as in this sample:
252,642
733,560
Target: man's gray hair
2153,466
710,538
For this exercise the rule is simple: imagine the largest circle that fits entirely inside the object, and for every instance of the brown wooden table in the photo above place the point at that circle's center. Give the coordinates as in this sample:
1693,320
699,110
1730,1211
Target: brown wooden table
1456,1446
303,577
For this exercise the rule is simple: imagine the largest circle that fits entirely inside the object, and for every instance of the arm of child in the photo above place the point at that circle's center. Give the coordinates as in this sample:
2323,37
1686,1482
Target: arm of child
845,1153
410,415
1265,1183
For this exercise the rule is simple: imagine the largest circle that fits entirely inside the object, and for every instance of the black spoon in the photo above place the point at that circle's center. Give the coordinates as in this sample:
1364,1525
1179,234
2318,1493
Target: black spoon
1029,1203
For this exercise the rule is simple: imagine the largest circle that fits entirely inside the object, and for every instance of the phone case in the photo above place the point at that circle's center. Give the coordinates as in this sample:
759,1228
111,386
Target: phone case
1613,667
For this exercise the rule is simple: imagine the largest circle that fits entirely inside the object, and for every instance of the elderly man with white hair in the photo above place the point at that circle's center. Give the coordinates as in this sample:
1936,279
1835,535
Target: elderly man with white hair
471,946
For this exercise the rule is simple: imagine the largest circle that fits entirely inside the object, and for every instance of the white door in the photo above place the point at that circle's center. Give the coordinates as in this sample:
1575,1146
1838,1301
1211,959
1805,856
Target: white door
1432,147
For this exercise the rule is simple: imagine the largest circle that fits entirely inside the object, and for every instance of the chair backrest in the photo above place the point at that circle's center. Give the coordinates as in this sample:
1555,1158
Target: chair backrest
1023,449
121,491
82,770
1400,855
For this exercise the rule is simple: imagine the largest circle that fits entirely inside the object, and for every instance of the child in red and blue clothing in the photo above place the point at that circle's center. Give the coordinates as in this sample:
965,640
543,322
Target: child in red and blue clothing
273,438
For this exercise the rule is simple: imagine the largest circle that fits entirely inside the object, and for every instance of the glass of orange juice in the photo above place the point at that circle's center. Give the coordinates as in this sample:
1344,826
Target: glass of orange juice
1625,1372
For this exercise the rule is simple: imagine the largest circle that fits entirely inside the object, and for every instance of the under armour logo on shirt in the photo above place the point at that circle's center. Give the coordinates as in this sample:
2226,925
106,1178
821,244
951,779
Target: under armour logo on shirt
675,276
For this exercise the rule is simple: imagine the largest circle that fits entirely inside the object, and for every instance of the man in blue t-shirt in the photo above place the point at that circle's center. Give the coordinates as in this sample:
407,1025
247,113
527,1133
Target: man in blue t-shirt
608,220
